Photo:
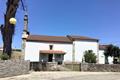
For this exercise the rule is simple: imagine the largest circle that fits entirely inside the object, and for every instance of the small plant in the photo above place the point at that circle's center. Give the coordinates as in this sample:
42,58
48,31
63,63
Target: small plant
89,56
4,57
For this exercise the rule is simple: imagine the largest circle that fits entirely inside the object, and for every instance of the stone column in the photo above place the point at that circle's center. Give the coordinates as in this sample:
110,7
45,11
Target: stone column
53,59
73,55
24,35
73,52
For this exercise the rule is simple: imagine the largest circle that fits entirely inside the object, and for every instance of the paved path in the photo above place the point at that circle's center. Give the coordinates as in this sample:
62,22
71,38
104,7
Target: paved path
66,76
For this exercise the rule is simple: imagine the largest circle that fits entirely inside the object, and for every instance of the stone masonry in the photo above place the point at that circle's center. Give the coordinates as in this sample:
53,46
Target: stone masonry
10,68
100,67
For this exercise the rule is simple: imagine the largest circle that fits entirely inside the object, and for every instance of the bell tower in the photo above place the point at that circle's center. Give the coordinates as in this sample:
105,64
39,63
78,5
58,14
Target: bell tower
24,35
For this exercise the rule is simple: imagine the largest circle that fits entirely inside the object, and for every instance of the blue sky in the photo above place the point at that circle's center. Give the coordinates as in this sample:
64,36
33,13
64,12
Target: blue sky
94,18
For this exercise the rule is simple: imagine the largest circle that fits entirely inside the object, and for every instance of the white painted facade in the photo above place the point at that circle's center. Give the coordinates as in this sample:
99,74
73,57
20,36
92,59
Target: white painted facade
82,46
102,58
32,49
110,60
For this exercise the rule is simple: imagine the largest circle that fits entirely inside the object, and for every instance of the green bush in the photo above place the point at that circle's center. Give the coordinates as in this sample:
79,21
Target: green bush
4,57
89,56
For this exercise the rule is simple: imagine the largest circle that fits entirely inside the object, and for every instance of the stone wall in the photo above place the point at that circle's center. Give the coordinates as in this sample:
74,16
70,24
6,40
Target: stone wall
13,67
72,66
51,66
38,66
100,67
43,66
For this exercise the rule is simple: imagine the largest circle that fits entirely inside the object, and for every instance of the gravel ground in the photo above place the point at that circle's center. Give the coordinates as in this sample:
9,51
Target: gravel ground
67,76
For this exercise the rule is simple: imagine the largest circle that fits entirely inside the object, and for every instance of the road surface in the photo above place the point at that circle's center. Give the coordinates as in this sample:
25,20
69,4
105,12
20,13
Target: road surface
67,76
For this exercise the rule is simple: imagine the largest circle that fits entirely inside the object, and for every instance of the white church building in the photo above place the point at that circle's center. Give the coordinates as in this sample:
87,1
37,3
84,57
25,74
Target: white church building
59,48
70,48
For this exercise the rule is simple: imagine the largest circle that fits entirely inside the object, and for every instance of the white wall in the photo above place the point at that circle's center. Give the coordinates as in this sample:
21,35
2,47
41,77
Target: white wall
102,58
32,50
66,48
82,46
110,60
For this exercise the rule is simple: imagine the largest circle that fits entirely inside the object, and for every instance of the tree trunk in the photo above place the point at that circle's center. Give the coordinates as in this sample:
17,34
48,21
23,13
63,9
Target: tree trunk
7,29
106,60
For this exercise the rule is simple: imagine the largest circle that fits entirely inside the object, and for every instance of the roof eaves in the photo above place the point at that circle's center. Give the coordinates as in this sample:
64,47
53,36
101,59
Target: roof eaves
74,38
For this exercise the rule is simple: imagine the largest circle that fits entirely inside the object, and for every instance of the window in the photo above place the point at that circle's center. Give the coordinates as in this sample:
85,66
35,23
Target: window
58,55
51,47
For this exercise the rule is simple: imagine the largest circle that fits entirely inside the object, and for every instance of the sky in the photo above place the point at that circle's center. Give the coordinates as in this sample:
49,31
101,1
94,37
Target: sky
93,18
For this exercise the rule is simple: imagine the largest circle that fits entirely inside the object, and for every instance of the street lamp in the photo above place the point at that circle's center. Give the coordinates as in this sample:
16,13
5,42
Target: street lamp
12,21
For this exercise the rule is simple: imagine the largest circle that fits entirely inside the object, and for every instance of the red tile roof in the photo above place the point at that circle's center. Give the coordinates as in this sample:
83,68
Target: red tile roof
61,39
52,52
44,38
102,47
74,37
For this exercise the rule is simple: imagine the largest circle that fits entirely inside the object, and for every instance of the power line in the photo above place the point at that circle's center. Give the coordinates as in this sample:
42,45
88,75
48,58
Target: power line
24,6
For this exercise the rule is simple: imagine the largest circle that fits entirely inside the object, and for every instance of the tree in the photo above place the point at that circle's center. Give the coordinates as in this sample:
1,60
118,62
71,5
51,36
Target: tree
112,51
108,52
7,30
90,57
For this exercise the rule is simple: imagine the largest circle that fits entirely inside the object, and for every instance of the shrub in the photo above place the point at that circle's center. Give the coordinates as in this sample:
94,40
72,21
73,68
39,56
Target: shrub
89,56
4,57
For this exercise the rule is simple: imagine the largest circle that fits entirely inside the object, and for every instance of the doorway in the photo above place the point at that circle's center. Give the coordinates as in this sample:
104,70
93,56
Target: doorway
50,57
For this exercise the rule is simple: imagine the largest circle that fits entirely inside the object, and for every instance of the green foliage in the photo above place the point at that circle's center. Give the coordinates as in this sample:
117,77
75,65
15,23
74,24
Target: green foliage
109,50
112,51
4,57
89,56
